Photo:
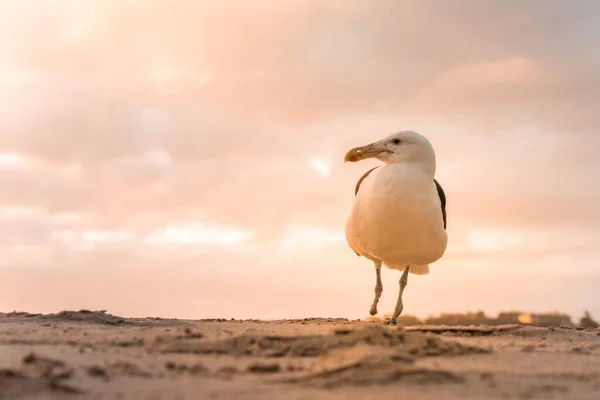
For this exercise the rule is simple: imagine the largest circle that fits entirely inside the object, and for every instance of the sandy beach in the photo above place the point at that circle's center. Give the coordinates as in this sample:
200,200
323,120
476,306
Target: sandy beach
97,355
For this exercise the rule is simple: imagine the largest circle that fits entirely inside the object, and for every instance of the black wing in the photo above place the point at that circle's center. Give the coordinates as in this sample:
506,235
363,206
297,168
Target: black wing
442,200
362,178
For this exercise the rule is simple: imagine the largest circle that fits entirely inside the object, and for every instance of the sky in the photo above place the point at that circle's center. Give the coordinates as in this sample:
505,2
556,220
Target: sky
185,158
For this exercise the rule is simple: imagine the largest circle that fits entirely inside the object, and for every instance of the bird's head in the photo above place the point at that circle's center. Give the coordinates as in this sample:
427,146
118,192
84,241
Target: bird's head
405,146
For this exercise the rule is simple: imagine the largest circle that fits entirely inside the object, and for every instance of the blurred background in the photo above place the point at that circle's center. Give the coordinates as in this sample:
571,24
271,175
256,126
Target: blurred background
185,158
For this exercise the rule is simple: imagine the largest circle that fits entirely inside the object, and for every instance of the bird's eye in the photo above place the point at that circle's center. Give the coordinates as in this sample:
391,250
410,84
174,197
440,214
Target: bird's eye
396,141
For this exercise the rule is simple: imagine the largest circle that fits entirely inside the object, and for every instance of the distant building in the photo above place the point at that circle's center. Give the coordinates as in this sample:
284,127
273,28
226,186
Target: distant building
509,318
548,319
471,318
504,318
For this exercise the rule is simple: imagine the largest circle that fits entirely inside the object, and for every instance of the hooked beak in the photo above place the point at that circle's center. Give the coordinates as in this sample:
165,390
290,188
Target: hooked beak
360,153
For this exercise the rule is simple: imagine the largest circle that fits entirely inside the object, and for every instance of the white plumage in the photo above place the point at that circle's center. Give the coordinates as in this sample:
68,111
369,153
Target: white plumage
398,215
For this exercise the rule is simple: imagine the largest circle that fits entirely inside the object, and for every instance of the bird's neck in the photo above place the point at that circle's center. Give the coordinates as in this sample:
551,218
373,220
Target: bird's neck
426,168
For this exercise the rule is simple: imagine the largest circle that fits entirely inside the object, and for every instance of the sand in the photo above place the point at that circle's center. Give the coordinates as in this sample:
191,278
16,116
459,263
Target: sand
96,355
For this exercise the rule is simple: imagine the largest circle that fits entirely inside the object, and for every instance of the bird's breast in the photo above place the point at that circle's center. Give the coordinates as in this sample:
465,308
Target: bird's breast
397,214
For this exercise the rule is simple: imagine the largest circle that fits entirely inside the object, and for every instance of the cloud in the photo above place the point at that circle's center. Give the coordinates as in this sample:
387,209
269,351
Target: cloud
197,233
321,166
216,131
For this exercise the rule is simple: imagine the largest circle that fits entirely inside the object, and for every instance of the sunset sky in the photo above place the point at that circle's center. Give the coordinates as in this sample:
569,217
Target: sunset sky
185,158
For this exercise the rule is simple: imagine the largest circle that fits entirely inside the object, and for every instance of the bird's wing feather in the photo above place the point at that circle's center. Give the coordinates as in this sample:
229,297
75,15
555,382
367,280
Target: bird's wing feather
442,199
362,178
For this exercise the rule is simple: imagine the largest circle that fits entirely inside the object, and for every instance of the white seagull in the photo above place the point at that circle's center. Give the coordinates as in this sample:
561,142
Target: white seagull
398,218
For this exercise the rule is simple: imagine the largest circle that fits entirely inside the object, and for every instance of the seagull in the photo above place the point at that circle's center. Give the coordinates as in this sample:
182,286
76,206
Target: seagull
398,218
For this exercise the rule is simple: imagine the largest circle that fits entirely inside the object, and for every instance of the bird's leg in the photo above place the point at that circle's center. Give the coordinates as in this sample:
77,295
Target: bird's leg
378,288
399,305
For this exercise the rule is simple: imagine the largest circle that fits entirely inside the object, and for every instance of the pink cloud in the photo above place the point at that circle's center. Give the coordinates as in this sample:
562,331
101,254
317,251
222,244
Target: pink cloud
126,125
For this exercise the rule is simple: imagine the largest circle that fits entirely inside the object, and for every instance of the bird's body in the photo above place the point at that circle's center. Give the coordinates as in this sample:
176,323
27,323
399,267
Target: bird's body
398,218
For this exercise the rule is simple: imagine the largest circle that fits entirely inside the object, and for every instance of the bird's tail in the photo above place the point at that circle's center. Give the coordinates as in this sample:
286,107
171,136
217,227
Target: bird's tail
414,269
